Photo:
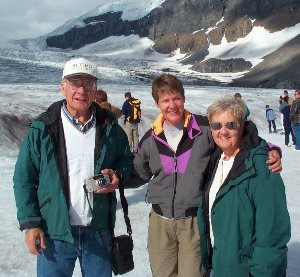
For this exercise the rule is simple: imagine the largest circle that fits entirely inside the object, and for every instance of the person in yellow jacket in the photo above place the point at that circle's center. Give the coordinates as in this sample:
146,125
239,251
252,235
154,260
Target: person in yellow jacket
101,99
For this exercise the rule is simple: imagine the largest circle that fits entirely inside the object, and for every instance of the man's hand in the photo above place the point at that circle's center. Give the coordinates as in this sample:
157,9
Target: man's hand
274,161
114,181
35,240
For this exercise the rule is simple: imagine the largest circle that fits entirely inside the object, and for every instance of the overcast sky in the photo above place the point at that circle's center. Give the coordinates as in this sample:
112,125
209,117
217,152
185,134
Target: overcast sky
32,18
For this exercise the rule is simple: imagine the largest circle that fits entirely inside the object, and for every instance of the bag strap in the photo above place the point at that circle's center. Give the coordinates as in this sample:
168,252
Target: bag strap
124,208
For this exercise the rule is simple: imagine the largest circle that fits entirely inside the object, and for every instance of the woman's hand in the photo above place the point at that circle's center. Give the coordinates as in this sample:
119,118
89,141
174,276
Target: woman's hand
274,161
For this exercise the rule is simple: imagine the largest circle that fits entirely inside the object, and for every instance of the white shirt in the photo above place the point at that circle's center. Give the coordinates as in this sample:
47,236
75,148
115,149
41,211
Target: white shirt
80,156
173,135
221,174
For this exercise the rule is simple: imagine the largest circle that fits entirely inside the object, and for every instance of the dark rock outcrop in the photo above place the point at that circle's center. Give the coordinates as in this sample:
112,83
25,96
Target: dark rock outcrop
187,43
13,136
98,28
222,66
238,28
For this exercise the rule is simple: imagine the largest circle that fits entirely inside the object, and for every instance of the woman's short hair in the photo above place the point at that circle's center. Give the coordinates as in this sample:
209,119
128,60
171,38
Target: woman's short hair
166,83
230,104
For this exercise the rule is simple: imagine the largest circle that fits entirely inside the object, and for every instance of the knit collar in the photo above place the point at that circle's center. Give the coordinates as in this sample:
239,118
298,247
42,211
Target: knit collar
76,123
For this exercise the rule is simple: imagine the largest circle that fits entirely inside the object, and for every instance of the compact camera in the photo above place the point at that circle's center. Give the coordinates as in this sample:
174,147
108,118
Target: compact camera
96,182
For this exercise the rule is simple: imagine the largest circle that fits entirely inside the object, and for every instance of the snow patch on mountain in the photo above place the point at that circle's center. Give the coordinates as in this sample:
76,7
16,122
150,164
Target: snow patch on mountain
257,44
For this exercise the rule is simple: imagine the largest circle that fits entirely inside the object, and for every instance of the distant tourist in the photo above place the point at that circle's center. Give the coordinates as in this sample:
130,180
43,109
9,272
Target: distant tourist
239,96
271,116
101,99
286,94
295,118
285,111
131,110
282,104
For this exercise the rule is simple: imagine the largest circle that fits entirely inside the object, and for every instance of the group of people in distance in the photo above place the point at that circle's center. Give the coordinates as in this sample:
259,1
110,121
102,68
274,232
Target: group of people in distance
290,110
218,200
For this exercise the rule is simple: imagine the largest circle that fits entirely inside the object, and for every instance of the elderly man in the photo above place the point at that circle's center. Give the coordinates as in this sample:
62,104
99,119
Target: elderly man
70,142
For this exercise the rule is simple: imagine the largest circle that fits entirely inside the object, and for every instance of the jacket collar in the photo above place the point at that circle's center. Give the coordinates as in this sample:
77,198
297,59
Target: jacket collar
242,168
75,122
190,124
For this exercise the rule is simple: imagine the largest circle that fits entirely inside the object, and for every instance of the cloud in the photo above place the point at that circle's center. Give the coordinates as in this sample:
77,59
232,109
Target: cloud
27,19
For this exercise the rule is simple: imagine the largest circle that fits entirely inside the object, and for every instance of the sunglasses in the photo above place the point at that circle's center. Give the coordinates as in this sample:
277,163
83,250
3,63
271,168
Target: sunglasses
228,125
77,84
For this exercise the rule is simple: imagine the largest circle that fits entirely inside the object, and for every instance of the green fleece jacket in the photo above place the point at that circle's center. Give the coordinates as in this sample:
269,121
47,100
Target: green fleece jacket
41,183
250,220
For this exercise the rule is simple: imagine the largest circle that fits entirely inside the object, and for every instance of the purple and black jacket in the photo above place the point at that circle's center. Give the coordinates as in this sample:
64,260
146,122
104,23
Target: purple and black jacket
175,179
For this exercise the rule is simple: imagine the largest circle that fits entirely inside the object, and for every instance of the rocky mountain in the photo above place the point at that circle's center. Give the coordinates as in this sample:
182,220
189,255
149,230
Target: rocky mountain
193,25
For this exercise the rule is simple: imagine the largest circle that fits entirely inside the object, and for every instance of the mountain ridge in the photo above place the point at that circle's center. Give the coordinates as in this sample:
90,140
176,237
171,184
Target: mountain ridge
193,26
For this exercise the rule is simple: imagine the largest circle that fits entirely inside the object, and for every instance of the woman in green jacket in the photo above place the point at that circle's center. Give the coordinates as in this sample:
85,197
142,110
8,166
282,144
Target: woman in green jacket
243,219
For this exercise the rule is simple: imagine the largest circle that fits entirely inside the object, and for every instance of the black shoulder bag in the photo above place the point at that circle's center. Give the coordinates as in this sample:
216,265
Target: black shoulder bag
122,246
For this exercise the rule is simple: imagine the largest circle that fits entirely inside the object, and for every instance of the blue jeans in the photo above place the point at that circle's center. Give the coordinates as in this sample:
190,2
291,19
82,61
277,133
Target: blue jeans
296,129
59,258
287,132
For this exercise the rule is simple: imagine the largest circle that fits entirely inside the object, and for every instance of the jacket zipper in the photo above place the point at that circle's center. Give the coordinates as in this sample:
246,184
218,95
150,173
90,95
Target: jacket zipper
46,201
206,208
176,172
175,184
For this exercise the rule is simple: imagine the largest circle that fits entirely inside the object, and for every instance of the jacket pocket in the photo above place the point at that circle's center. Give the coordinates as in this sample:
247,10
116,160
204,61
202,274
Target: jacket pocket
45,202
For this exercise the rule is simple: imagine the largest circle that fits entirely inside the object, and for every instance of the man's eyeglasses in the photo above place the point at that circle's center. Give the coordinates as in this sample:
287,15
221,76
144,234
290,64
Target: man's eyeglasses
87,84
229,125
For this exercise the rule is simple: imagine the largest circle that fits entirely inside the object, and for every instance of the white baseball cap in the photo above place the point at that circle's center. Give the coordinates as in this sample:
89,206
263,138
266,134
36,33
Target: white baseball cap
80,67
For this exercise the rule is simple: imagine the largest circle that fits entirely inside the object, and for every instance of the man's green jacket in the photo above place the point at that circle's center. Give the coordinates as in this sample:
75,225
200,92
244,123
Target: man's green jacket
41,183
